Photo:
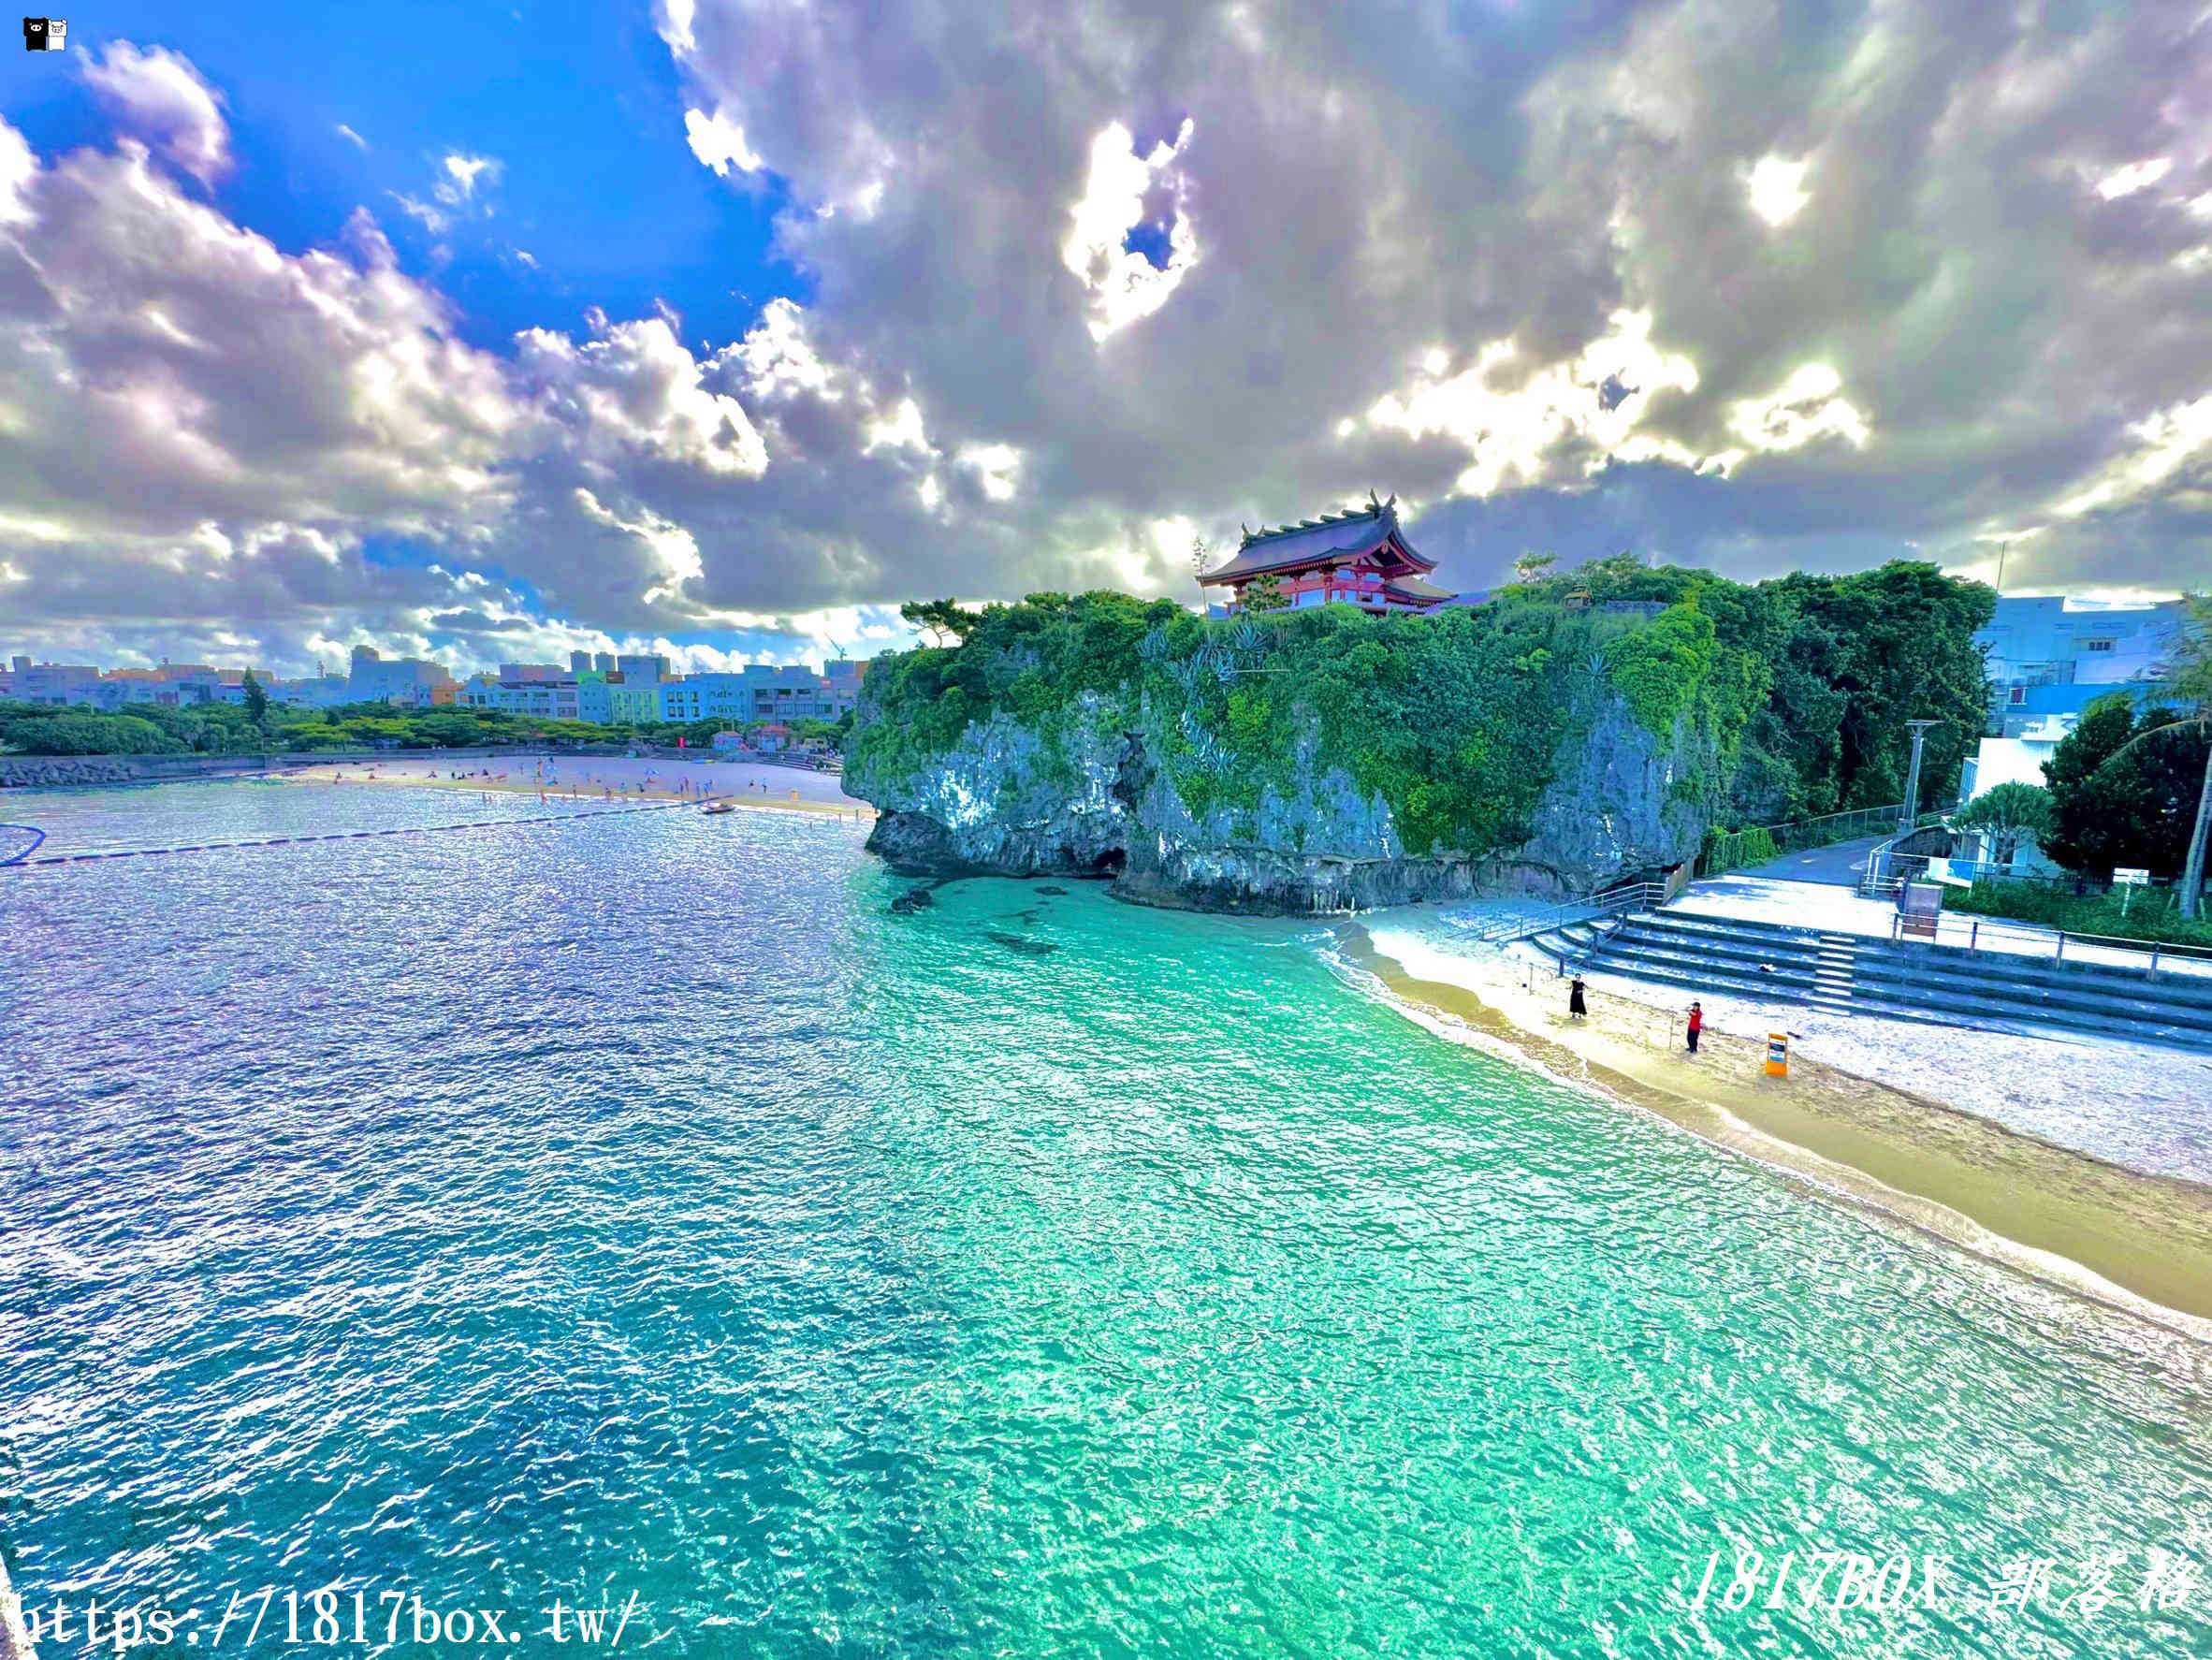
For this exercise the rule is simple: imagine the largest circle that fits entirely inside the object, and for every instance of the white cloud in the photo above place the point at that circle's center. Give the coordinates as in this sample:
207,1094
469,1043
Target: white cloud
719,142
901,430
779,356
437,221
19,168
2161,444
461,173
1124,284
158,96
672,549
1517,426
634,391
996,466
1805,407
1406,287
1776,187
351,137
2137,176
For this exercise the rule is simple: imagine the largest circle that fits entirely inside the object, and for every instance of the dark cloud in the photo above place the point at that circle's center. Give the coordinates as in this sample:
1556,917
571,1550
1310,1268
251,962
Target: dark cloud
1753,284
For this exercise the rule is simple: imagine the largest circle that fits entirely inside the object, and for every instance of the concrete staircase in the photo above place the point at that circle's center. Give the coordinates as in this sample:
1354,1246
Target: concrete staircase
1897,980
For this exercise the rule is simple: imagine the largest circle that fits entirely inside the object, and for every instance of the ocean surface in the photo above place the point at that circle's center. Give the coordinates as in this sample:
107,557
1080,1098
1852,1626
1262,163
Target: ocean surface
632,1213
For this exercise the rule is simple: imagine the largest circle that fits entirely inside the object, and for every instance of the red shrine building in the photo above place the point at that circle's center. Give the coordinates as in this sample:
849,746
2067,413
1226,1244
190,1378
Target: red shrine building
1360,557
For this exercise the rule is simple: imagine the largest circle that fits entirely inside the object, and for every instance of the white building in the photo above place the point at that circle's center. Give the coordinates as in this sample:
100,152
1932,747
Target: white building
2056,641
58,683
413,682
555,699
763,691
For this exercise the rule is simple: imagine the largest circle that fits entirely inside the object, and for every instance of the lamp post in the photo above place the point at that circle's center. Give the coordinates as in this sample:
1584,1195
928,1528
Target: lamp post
1912,807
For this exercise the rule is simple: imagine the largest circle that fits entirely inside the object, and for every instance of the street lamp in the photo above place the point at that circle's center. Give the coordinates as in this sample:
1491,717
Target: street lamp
1912,807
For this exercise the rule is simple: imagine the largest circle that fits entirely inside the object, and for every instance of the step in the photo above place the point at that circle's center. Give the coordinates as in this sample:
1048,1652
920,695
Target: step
1948,986
2181,998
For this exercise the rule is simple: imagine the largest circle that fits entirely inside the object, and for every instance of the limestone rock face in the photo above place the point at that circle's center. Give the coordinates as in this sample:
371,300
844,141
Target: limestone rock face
1086,800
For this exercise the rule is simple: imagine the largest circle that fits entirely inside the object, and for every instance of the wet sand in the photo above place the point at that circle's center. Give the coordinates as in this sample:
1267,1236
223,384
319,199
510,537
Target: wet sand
2139,1242
589,779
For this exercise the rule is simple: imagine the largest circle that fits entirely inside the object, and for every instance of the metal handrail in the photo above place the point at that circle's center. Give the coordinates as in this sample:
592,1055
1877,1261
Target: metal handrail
1883,858
1635,896
2154,949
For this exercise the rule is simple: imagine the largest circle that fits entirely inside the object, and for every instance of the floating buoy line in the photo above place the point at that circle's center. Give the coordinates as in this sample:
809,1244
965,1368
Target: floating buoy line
209,847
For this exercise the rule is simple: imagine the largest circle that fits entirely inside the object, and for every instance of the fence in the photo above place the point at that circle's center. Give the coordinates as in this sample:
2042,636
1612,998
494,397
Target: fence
1754,845
1983,933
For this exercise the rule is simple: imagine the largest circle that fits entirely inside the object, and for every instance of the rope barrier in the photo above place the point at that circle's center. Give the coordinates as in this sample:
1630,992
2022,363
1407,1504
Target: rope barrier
203,847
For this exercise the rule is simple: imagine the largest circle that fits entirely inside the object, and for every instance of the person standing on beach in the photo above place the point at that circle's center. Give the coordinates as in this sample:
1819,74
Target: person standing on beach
1577,1008
1696,1024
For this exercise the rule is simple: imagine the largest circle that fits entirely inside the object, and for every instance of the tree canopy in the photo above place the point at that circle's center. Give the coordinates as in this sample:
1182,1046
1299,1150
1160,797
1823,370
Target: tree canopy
2118,802
1797,691
2009,813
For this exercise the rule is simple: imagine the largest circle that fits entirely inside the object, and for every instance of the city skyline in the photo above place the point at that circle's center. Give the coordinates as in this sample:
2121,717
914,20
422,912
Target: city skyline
776,328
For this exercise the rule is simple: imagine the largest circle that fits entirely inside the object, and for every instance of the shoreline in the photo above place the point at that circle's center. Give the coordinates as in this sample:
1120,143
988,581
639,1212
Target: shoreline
514,778
2133,1241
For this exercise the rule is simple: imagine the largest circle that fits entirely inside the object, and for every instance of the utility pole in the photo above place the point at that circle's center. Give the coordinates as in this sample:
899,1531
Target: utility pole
1912,807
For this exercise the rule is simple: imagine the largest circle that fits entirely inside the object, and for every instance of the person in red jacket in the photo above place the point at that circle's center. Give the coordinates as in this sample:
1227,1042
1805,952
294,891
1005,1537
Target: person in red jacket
1696,1024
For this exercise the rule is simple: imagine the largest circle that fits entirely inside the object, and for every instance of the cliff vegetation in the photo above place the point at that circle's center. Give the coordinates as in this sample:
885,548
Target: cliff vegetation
1654,702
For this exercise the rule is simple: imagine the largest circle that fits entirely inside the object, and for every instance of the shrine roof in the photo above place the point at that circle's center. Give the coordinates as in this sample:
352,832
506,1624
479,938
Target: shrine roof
1317,541
1416,588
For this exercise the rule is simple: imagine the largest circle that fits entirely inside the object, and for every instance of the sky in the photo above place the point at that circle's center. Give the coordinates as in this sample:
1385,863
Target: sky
723,326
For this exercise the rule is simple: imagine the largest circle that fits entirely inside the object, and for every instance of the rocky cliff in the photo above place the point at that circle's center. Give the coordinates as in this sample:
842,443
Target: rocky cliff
1086,796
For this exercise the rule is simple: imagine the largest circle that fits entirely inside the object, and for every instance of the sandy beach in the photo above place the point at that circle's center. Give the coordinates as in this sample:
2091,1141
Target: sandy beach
2131,1239
585,778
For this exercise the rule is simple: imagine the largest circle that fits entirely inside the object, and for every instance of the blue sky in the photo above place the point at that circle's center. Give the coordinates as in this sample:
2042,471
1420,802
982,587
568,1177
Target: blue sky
729,324
578,103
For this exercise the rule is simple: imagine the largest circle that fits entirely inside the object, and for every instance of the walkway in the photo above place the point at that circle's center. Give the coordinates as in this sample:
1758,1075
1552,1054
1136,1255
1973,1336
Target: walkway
1841,864
1825,908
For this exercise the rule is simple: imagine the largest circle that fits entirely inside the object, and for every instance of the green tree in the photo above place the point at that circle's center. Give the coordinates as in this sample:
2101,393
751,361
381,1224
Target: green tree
2124,787
2008,813
257,703
87,734
2189,675
1265,593
944,619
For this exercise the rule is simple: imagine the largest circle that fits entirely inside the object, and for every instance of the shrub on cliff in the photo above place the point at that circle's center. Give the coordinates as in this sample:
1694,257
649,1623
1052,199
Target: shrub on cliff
1779,699
1452,718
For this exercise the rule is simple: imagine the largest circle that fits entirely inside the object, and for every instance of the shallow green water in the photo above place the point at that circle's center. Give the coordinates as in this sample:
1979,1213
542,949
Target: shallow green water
638,1207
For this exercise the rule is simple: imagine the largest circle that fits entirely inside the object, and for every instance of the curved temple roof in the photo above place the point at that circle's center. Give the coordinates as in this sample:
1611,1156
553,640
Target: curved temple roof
1333,537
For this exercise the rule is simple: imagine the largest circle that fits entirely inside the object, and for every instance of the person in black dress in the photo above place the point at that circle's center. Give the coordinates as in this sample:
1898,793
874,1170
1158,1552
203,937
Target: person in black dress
1577,1007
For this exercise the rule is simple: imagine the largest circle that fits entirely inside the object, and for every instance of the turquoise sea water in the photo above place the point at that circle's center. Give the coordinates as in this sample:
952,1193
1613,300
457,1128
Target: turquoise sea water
635,1207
